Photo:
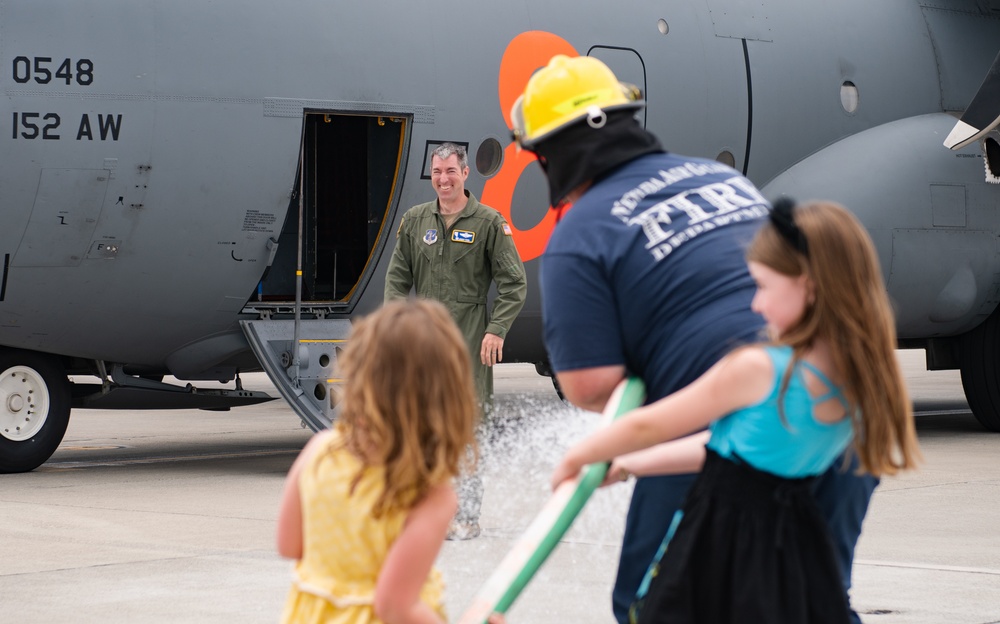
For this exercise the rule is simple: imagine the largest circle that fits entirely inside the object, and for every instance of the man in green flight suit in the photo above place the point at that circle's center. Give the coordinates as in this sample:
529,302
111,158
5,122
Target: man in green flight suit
451,250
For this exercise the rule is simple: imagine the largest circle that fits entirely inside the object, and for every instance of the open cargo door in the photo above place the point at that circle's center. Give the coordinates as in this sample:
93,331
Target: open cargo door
350,174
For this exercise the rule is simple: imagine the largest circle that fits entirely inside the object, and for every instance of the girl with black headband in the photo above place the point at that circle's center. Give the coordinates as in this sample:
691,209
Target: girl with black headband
749,544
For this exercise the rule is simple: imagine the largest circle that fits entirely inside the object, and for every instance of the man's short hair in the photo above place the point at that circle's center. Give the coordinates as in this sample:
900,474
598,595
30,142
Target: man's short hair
445,150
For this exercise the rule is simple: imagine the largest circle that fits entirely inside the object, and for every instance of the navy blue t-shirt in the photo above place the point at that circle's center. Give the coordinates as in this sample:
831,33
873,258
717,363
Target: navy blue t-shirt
647,270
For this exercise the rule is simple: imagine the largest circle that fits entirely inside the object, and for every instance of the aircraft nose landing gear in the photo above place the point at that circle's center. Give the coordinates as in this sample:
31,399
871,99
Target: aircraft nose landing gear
34,409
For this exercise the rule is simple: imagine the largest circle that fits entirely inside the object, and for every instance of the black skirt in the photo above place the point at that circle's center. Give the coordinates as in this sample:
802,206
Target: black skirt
751,547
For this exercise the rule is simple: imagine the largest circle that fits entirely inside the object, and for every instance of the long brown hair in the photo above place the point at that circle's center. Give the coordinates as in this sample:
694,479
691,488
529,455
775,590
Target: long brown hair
408,401
853,315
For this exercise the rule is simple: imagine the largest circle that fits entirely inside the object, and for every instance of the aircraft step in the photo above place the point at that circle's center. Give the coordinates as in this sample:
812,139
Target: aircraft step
309,387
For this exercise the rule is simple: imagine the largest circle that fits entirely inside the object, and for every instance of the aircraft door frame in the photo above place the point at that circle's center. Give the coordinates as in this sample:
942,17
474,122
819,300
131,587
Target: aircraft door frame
346,193
352,174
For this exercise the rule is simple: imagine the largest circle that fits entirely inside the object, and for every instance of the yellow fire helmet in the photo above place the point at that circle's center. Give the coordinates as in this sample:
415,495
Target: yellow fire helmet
565,91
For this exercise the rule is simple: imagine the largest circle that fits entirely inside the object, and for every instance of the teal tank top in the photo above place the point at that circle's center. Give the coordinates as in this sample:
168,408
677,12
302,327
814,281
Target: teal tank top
800,447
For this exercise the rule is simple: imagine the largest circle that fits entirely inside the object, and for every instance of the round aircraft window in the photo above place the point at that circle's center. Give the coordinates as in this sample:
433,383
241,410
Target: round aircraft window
662,26
849,96
489,156
726,158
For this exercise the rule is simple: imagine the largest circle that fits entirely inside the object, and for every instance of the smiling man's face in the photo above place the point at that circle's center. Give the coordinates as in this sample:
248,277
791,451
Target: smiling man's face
448,178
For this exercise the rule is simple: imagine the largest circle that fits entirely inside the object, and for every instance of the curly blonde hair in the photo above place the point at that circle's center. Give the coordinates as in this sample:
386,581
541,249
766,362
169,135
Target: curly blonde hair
408,401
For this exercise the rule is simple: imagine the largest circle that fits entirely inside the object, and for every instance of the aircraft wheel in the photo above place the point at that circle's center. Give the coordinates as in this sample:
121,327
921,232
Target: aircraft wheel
979,359
34,409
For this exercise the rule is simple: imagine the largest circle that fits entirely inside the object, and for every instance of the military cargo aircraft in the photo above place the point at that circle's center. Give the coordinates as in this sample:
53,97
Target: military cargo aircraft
201,189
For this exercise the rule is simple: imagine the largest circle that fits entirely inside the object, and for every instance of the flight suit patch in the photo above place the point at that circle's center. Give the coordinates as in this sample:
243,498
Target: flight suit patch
463,236
506,229
431,236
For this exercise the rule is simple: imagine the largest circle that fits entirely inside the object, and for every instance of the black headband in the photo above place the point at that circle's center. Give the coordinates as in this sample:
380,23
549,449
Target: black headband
781,217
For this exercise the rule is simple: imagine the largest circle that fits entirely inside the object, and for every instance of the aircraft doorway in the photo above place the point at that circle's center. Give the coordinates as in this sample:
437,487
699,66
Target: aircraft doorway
350,173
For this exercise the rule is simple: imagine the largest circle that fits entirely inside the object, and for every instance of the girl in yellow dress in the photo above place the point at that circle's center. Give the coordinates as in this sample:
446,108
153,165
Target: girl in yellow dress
366,505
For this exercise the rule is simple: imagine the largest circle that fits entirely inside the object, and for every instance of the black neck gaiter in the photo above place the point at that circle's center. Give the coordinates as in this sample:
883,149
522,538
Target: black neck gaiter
580,153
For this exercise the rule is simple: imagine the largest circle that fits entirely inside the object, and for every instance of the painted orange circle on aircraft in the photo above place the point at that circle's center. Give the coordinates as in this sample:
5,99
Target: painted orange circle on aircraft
499,193
524,54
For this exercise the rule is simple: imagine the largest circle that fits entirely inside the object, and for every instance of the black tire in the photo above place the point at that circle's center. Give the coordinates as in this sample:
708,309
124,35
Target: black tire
979,361
34,408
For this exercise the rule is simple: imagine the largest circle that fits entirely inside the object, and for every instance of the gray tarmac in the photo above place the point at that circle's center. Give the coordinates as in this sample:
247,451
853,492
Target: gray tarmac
169,516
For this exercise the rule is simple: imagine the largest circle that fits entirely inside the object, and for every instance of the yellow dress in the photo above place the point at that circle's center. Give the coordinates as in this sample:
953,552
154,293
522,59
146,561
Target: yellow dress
344,547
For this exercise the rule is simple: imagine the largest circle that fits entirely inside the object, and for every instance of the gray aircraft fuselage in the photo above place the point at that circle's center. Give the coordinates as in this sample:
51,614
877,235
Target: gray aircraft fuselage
158,153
